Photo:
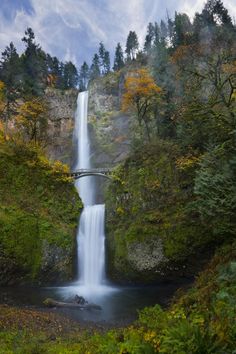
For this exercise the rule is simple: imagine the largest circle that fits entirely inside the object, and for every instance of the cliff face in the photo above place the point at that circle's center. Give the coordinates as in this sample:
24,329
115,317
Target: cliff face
62,106
109,127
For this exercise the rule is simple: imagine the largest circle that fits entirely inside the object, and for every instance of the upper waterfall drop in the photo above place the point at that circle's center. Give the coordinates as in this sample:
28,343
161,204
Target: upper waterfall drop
84,185
90,236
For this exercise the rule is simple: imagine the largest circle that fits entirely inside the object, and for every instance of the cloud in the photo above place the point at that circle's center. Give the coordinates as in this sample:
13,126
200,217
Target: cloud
72,29
69,56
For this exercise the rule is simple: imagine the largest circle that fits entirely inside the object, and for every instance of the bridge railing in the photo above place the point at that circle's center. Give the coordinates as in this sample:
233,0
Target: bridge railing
103,170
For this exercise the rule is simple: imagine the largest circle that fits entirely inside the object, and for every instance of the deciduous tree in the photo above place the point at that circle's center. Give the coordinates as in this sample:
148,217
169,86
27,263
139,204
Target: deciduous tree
141,95
32,121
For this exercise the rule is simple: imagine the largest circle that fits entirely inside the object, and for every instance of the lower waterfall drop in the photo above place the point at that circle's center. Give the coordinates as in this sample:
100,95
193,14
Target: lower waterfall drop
91,240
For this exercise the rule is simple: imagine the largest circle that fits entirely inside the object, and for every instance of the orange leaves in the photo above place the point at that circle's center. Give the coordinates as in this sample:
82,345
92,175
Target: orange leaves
141,96
139,86
51,80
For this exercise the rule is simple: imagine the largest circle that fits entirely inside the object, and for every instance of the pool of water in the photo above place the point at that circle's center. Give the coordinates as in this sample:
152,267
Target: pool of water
119,305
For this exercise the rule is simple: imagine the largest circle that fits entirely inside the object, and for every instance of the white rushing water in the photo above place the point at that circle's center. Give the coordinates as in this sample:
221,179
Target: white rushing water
90,237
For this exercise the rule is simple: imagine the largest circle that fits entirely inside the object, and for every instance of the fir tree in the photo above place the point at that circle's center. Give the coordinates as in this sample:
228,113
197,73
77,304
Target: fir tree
119,58
107,62
149,38
95,68
132,45
83,76
70,75
34,65
10,74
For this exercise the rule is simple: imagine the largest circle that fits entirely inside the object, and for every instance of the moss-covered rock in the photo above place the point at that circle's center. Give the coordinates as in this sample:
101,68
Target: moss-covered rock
151,230
38,216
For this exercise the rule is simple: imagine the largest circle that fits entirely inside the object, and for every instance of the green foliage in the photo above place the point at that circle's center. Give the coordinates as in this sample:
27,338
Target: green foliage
215,188
149,200
38,208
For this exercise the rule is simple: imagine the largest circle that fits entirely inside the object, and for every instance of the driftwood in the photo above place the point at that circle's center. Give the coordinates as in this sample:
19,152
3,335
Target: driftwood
86,306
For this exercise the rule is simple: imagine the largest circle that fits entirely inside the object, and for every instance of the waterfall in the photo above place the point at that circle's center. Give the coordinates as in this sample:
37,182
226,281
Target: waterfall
90,235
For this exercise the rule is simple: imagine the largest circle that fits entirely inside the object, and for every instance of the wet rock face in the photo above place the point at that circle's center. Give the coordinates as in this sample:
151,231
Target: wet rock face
102,100
57,263
61,108
145,256
109,126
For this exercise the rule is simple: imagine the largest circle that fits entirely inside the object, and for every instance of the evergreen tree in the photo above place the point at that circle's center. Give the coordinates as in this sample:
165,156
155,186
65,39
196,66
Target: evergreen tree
10,74
132,45
214,13
156,34
149,37
95,68
56,71
101,51
163,31
170,27
34,65
60,80
182,30
104,59
70,75
10,68
119,58
107,62
83,76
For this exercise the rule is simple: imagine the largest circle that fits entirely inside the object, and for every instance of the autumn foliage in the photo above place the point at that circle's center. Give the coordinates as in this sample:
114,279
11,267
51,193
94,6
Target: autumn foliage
32,120
141,95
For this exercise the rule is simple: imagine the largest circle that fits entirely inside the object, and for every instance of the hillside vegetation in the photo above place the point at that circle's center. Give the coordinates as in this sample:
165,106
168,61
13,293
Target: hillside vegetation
38,216
173,200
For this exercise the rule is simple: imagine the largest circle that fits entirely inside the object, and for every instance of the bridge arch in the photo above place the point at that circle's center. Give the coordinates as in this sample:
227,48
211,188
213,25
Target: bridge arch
99,172
78,176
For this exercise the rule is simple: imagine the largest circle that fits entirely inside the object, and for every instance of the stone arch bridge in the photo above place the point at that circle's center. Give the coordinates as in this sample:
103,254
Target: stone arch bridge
100,172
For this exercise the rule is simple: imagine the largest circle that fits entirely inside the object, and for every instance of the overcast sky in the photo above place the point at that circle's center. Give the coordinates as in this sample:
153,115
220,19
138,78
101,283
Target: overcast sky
72,29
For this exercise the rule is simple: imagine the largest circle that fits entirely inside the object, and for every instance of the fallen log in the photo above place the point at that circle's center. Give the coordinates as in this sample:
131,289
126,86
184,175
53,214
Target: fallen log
53,303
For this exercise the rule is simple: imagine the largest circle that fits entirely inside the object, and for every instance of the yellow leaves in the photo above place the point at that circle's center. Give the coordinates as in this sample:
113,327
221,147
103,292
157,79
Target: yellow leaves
186,162
2,86
120,211
139,87
151,337
177,313
32,120
30,110
230,68
59,167
44,162
1,127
